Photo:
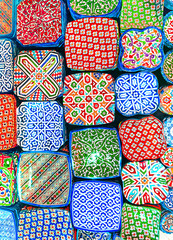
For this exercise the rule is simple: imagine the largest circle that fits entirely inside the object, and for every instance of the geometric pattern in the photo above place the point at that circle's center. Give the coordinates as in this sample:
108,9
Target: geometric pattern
168,203
136,94
168,29
44,179
144,182
89,99
141,14
8,188
166,222
166,100
169,177
7,122
95,153
91,44
7,21
141,49
7,225
38,75
39,21
96,206
167,67
6,65
86,235
45,224
40,126
142,139
168,130
167,157
140,222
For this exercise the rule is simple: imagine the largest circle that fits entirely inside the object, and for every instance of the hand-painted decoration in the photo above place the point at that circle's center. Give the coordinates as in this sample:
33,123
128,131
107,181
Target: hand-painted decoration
141,49
166,222
168,203
95,153
40,126
168,130
142,139
139,222
96,206
144,182
167,157
89,99
167,67
7,122
169,177
40,22
6,65
86,8
166,100
86,235
8,189
136,94
168,4
91,44
38,75
7,225
44,179
139,14
45,224
168,29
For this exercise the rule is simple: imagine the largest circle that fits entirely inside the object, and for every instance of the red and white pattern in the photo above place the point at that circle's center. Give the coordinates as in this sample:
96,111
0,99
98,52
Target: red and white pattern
92,44
142,139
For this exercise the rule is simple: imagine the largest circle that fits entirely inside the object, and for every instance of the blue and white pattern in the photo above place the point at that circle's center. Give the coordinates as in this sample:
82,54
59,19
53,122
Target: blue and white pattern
6,66
96,206
86,235
168,203
136,94
168,130
7,225
40,126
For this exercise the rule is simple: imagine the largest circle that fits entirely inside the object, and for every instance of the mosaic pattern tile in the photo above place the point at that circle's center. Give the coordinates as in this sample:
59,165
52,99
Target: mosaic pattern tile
6,62
38,75
139,222
7,225
168,29
89,99
141,49
168,203
144,182
86,235
136,94
95,153
166,100
91,44
167,67
166,222
45,224
44,179
169,177
39,22
142,139
7,122
96,206
40,126
168,130
8,188
141,14
167,157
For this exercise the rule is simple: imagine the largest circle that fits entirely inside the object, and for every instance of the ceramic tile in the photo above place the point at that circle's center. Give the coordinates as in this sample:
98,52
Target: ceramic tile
44,179
168,29
166,100
166,222
136,94
95,153
89,99
142,139
91,44
96,206
169,177
166,68
8,229
167,157
168,130
140,222
144,182
168,202
86,235
40,126
141,49
38,75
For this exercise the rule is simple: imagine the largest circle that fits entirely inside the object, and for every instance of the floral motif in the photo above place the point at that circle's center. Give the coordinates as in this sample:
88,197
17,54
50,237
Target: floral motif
168,29
167,157
167,67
